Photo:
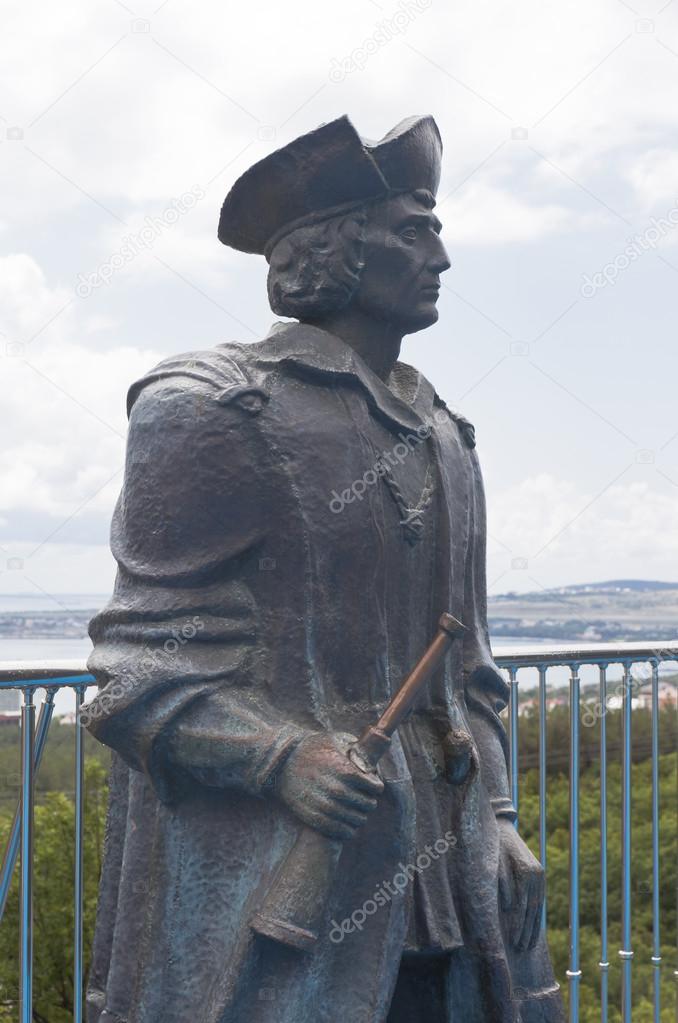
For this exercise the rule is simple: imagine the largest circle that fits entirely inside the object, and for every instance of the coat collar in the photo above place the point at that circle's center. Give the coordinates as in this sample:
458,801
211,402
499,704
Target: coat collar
406,398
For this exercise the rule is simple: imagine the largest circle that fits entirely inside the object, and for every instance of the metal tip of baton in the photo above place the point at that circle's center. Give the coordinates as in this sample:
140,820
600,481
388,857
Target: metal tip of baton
450,624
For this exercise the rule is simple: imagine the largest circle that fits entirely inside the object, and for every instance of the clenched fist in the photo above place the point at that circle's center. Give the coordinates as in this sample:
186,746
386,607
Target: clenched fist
322,787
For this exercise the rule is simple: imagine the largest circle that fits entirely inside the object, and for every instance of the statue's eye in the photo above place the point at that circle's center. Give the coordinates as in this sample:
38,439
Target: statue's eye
409,234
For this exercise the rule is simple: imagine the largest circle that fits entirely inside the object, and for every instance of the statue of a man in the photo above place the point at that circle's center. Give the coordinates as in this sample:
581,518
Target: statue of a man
295,516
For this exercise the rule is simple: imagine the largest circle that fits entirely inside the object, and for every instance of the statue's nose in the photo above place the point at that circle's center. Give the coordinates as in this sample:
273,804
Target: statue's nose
440,261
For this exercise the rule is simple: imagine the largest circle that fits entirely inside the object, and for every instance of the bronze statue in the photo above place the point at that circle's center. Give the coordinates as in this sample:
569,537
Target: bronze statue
296,516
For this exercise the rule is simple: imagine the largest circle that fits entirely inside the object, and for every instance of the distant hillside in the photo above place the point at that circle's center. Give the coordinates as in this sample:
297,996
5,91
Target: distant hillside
618,586
45,624
615,611
614,586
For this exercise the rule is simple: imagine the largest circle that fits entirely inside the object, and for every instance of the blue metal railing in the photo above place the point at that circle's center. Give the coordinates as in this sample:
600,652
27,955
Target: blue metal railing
603,656
30,678
604,964
574,971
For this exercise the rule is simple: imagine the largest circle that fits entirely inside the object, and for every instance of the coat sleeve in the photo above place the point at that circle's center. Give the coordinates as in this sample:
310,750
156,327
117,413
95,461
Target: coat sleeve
179,654
486,690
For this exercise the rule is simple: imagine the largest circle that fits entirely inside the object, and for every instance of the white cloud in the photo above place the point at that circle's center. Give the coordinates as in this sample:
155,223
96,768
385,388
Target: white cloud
57,568
117,122
548,530
63,403
27,303
485,214
654,175
159,109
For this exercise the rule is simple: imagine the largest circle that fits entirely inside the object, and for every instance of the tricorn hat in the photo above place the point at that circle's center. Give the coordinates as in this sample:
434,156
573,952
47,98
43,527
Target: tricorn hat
327,171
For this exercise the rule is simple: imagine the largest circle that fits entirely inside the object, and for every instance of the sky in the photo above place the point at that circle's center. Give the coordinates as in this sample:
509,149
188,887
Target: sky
128,123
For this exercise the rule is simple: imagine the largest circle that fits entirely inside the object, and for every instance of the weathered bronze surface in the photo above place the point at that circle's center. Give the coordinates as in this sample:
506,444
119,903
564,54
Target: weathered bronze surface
296,515
293,909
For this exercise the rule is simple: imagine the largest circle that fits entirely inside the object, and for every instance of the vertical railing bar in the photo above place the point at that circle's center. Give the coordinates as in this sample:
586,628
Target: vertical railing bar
675,972
626,952
656,930
574,972
26,896
542,780
12,847
78,886
604,963
513,737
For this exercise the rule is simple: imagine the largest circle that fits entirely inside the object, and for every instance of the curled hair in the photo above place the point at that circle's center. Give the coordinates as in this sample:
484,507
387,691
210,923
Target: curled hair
314,270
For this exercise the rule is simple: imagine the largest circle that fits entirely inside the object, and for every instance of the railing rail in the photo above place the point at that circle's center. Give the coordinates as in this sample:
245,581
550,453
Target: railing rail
50,677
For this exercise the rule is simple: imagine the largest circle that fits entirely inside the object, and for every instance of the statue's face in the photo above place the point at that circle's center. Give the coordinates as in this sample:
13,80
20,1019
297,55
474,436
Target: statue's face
404,258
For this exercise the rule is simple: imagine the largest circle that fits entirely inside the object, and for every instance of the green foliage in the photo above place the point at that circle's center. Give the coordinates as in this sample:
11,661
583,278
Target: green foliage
56,769
54,839
53,899
558,741
589,855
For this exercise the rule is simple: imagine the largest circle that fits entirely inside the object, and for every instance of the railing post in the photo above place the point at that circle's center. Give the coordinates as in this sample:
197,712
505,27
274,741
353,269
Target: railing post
656,931
26,897
12,848
574,972
78,886
604,964
626,952
542,780
513,737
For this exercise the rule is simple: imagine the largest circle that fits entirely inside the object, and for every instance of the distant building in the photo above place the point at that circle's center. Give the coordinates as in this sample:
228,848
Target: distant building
667,698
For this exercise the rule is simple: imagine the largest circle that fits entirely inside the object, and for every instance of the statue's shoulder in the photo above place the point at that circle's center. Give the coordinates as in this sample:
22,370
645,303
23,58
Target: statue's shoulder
227,374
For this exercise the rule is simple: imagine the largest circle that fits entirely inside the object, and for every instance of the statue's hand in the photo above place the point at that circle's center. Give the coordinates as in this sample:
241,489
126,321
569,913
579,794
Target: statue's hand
521,887
322,787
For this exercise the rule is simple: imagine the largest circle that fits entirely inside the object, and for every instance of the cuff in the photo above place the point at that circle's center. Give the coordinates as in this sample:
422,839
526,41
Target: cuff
503,807
268,768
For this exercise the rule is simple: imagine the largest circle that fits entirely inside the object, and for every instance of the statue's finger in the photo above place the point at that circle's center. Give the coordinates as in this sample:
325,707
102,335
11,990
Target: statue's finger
332,807
320,816
531,914
330,827
519,913
357,800
370,783
536,930
505,889
346,796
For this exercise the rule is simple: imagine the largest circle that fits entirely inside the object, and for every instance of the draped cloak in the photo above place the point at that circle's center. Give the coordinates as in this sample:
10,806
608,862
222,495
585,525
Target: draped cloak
289,530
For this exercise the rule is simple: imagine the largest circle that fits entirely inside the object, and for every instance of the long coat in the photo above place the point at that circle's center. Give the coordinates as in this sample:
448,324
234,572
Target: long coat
270,583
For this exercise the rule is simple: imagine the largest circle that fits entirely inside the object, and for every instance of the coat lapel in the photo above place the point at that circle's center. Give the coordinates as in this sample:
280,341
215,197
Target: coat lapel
404,401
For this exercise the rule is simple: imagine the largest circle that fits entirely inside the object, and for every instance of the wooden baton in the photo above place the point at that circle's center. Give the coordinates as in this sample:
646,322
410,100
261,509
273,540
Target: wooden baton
293,909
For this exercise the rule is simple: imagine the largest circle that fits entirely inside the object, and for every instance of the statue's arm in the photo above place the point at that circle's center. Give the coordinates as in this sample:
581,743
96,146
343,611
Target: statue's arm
486,690
177,652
